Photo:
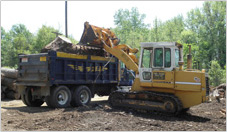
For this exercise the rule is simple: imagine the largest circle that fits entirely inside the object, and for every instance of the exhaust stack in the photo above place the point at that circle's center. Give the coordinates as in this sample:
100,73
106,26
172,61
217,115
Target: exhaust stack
189,58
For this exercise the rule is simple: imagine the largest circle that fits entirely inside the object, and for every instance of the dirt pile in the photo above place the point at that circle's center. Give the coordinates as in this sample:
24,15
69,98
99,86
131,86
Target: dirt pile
8,84
98,116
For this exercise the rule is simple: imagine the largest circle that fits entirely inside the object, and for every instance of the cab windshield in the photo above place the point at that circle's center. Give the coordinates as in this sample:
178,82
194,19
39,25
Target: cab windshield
158,57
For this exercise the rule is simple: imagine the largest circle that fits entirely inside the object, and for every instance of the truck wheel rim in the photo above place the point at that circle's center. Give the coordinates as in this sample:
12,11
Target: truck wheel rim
62,97
84,96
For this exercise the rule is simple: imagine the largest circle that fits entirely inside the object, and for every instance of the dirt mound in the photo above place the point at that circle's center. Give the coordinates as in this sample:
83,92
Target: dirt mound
98,116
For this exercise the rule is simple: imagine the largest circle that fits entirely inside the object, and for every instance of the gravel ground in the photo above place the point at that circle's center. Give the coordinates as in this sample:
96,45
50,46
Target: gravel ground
98,116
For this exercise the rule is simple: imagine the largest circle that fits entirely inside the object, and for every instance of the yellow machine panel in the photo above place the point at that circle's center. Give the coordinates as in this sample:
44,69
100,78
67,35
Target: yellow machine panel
189,99
189,87
188,81
163,79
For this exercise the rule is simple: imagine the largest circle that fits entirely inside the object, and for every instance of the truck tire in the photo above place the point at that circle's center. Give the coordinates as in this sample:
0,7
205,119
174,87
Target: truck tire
27,99
81,96
23,99
60,97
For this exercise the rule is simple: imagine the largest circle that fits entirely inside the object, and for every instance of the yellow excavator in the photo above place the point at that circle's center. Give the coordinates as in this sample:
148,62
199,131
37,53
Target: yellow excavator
161,83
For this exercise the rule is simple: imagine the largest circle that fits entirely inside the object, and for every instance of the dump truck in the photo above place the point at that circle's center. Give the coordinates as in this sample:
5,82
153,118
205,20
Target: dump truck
62,79
161,83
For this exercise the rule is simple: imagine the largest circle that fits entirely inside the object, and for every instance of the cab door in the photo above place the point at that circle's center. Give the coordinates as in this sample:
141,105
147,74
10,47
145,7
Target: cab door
162,75
145,69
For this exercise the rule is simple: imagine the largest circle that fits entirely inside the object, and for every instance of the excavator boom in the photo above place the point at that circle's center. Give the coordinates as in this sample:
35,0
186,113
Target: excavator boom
109,41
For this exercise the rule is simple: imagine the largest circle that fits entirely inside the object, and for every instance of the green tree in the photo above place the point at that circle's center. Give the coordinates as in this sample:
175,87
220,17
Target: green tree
216,74
209,27
3,33
5,46
130,27
45,35
156,31
169,30
18,40
224,75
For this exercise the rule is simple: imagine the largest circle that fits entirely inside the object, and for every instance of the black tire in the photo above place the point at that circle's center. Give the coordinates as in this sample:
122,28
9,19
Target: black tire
81,96
27,99
23,99
60,97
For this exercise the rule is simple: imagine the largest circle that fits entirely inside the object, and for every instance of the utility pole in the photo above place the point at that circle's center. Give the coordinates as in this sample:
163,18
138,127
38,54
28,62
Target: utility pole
66,26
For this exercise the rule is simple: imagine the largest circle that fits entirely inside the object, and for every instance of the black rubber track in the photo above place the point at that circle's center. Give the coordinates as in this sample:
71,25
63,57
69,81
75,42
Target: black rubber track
117,98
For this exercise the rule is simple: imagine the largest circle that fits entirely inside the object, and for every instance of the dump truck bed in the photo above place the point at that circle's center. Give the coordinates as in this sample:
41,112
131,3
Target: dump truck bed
47,69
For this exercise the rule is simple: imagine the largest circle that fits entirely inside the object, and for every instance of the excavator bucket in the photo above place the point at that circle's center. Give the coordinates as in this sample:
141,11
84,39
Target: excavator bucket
88,35
96,35
105,37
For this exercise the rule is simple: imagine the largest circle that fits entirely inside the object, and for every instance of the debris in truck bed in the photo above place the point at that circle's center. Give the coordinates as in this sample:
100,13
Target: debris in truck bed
62,44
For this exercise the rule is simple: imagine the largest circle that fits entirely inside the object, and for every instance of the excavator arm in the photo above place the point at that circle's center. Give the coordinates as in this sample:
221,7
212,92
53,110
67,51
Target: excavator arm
109,41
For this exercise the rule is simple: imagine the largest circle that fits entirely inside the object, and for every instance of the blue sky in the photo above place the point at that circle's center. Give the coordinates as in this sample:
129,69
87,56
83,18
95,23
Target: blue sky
51,13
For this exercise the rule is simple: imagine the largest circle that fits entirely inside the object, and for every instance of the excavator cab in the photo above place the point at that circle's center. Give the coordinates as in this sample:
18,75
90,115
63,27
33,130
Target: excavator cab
158,56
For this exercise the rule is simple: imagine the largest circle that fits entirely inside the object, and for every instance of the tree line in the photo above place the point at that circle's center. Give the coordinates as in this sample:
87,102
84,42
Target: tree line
203,28
19,40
